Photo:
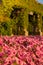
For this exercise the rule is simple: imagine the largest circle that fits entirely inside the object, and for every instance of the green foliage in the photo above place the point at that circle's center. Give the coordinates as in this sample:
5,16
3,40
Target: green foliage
5,28
17,24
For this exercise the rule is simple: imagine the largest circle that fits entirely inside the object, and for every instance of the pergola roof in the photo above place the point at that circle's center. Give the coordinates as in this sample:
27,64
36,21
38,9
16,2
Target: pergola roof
31,5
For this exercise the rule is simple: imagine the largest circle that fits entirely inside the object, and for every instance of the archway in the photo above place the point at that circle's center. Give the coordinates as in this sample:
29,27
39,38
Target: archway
17,16
33,24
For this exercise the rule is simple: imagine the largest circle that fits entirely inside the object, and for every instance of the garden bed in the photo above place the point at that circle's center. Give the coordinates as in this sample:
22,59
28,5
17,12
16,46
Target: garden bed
21,50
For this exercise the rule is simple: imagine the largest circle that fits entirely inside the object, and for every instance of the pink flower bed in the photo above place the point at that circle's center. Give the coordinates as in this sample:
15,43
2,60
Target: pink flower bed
21,50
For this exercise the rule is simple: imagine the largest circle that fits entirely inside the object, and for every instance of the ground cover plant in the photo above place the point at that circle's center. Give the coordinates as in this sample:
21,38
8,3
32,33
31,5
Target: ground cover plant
21,50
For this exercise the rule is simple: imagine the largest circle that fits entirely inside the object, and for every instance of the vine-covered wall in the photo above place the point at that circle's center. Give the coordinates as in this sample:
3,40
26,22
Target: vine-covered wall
14,16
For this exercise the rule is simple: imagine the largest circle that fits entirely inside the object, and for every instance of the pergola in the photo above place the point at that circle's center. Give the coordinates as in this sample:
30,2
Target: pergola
32,12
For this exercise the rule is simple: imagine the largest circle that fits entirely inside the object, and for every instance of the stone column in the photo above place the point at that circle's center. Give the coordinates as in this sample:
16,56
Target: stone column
40,24
26,23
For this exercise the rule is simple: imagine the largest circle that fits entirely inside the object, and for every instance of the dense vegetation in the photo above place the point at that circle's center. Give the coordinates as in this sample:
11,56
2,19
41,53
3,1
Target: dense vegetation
11,22
21,17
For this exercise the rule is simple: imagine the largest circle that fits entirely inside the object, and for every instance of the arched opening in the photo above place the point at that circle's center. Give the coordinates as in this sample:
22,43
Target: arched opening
33,24
17,16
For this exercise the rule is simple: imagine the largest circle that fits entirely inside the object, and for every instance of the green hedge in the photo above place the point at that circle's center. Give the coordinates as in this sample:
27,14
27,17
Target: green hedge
5,28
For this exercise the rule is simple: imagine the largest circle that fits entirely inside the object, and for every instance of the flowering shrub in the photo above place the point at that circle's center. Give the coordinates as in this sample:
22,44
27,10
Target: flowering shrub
21,50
